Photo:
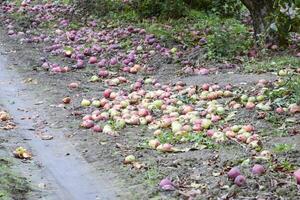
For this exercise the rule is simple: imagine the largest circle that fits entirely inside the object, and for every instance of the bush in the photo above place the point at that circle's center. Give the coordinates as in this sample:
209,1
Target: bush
285,19
201,5
228,40
227,8
161,8
145,8
99,7
224,8
174,9
148,8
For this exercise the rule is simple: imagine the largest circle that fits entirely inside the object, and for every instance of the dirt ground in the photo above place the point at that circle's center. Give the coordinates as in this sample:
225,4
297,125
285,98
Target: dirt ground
104,154
70,162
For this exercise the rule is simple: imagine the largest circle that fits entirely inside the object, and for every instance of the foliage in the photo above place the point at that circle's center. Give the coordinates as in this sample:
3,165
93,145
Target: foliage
99,8
227,8
224,8
271,64
145,9
12,186
283,148
163,9
286,18
293,85
179,8
160,8
227,40
287,91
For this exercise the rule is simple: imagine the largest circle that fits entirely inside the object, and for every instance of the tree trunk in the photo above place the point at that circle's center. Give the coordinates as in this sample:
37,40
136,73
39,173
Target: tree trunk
260,10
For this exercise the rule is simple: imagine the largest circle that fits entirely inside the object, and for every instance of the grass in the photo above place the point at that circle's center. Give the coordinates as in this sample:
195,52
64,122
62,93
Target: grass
12,186
293,85
189,30
153,176
200,139
286,165
167,137
274,119
279,133
283,148
286,91
272,64
226,37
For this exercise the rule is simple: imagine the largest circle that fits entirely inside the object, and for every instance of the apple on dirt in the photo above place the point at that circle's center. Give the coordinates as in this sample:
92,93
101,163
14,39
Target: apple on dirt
165,147
297,176
129,159
85,103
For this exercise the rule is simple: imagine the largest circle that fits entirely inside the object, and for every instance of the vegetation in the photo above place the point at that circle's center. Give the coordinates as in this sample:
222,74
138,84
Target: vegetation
272,20
152,117
11,185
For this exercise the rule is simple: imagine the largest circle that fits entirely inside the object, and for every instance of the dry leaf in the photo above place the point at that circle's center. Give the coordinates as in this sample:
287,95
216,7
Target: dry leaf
138,165
46,137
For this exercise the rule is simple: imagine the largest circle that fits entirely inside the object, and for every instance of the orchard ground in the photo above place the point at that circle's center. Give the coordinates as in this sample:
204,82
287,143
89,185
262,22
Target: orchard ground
198,169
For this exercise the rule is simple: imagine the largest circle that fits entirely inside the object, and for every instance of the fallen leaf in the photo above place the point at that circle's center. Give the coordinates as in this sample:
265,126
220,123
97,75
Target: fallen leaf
198,185
216,174
39,103
46,137
138,165
31,80
8,126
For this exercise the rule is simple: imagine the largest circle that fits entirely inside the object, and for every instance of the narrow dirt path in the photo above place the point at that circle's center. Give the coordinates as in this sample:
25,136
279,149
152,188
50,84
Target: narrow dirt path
69,174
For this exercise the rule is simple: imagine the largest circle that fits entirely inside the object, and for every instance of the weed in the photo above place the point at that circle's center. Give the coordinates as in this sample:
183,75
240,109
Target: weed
280,133
167,137
274,119
152,176
286,92
286,165
228,40
12,186
283,148
74,25
293,85
200,139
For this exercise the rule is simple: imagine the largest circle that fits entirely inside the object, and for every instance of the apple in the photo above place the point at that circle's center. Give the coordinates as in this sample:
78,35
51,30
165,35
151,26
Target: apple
85,103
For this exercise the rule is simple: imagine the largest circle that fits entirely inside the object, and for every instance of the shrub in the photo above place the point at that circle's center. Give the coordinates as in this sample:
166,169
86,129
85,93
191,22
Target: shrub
149,8
227,8
224,8
285,19
228,40
161,8
203,5
144,8
99,7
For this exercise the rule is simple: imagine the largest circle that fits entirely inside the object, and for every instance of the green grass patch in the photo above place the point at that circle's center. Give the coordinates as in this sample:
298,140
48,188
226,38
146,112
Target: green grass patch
152,176
286,92
283,148
272,64
226,37
12,186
